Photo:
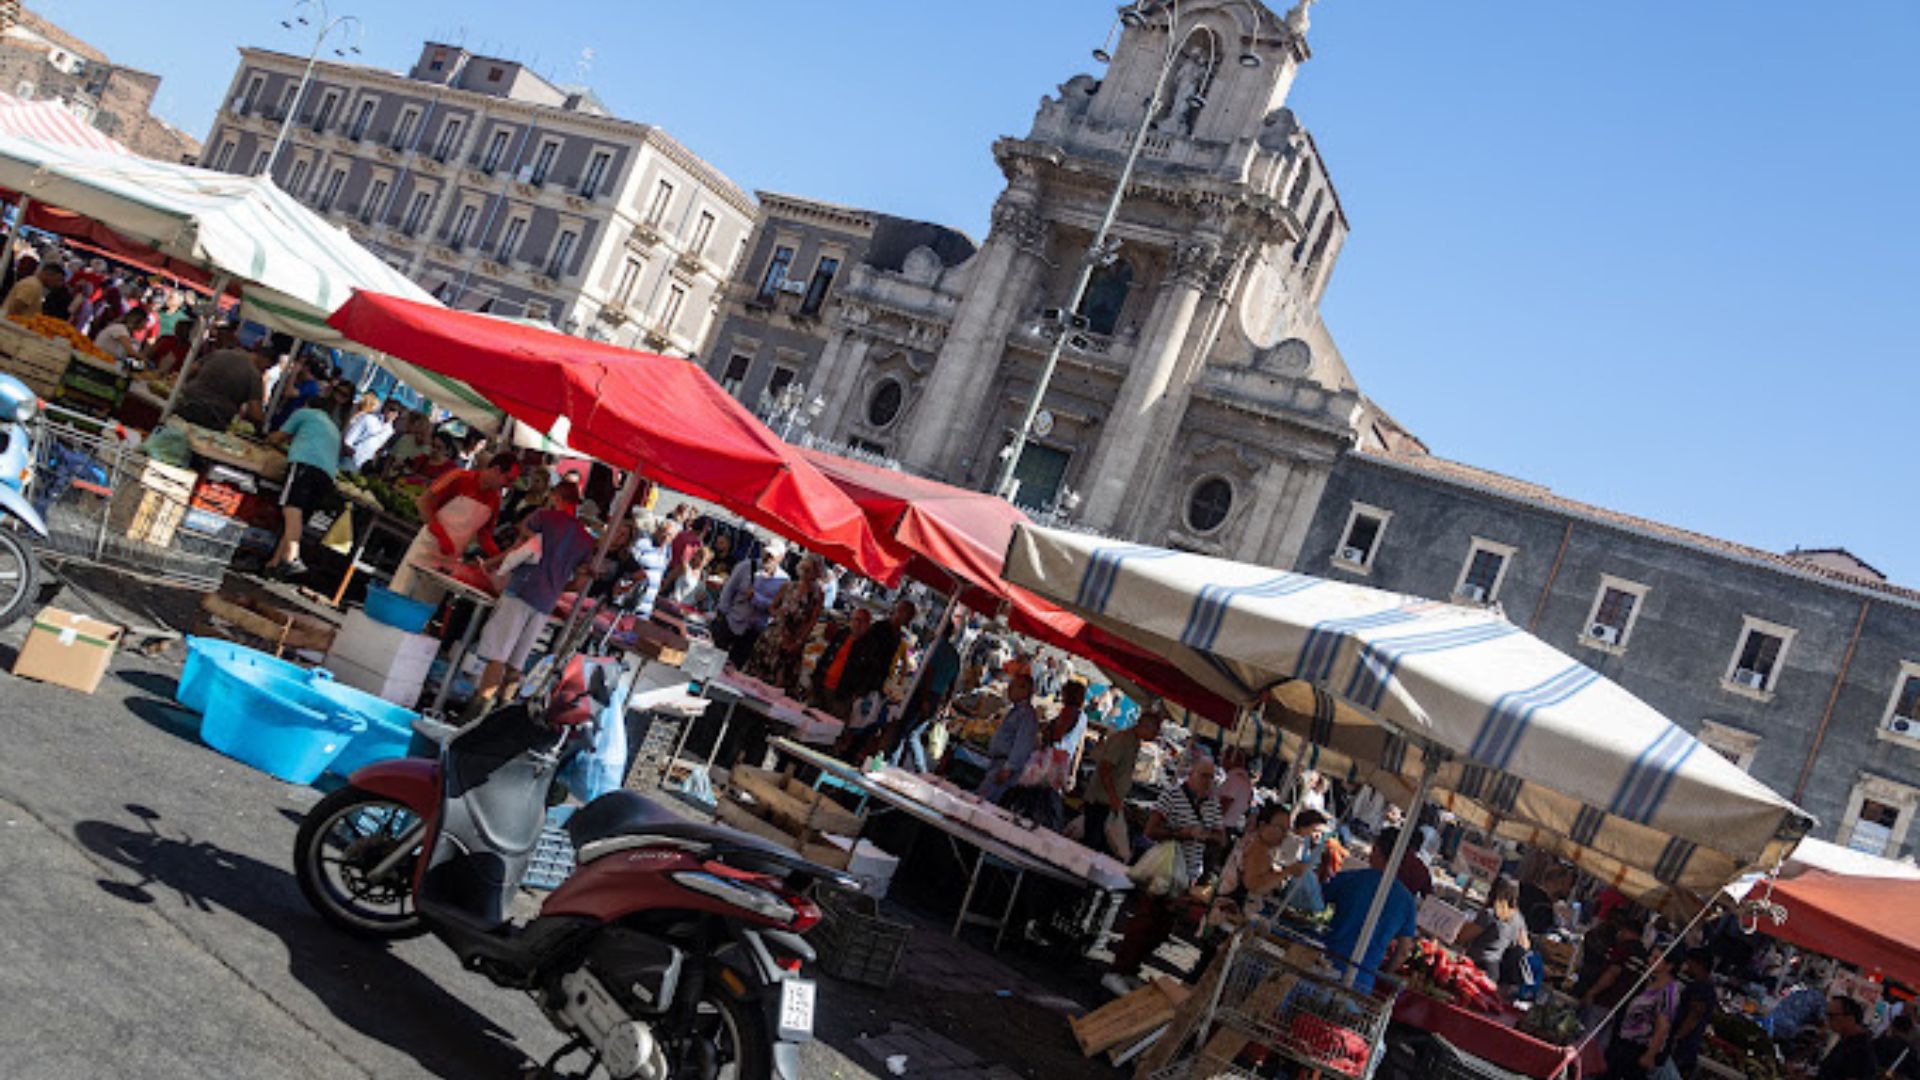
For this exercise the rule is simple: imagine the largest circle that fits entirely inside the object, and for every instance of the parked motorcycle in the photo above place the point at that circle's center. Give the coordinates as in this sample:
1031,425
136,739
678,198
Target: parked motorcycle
19,573
673,951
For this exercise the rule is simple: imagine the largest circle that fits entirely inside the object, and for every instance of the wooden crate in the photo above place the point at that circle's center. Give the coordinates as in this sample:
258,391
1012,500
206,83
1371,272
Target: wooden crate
1128,1019
150,503
283,629
793,805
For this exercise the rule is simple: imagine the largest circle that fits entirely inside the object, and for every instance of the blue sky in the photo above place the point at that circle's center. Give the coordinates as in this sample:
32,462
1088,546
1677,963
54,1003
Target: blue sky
1658,256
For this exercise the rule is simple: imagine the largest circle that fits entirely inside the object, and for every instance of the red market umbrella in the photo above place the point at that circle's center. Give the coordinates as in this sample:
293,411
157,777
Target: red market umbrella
952,538
1866,921
656,415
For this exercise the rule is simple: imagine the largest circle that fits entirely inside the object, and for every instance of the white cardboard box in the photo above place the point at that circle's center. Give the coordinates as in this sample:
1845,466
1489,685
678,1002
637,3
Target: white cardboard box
401,689
382,649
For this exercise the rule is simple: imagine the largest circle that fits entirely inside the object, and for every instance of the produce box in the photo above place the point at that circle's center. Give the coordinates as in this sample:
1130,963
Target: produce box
151,503
67,650
280,628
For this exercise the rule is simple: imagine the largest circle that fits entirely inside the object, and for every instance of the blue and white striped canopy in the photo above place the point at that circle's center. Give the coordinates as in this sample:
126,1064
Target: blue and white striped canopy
1526,741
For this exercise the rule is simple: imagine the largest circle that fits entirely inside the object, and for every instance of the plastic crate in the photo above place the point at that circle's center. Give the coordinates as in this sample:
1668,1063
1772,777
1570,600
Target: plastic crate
854,942
553,855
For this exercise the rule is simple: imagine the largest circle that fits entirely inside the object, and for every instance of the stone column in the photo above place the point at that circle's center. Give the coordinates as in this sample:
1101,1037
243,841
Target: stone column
1002,274
1125,439
837,377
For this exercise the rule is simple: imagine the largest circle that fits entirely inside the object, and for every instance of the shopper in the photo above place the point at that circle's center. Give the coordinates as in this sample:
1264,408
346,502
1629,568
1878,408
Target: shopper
1189,816
530,595
28,295
777,655
690,588
746,602
1497,929
1350,894
1039,790
651,554
830,668
1236,792
459,510
1114,763
368,432
1013,741
869,666
224,386
1641,1029
116,337
165,355
312,439
1697,1004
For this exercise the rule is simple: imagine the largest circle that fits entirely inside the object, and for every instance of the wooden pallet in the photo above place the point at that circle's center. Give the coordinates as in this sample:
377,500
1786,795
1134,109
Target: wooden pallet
1126,1020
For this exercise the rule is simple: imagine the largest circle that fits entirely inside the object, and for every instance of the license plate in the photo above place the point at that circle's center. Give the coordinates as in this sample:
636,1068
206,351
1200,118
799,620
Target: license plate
796,1007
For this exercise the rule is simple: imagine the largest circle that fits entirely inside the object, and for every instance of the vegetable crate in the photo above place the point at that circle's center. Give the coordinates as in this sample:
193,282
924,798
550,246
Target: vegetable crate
1278,996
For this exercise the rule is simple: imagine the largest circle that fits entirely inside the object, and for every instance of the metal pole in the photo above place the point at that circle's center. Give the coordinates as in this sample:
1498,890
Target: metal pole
280,384
200,331
1096,251
1388,875
299,92
622,503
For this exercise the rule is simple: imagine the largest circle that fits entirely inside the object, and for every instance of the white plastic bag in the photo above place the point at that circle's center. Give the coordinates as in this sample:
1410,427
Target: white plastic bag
1162,871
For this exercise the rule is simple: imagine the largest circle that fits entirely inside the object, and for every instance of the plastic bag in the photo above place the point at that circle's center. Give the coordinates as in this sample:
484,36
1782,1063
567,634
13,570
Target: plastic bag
1118,842
1162,871
339,536
598,768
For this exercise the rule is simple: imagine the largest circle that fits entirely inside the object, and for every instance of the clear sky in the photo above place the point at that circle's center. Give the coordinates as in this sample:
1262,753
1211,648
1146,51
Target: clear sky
1659,256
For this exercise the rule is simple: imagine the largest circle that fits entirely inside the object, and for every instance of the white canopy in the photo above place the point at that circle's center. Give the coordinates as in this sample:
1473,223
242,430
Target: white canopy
294,267
1524,740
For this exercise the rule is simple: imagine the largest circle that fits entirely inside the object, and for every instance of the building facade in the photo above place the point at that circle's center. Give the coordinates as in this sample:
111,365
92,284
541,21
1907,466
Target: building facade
497,190
1803,668
41,62
1200,400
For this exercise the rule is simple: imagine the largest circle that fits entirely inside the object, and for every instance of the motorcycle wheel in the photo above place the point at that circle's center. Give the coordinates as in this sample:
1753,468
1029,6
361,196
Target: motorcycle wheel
733,1031
345,835
19,576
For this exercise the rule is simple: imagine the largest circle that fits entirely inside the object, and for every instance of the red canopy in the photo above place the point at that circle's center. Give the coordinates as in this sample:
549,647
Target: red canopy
1866,921
662,417
950,538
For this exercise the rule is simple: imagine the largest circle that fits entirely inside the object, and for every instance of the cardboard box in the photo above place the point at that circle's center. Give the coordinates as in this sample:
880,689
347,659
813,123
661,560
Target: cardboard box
67,650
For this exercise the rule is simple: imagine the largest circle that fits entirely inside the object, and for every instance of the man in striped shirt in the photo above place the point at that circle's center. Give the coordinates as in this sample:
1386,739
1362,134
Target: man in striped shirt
1189,815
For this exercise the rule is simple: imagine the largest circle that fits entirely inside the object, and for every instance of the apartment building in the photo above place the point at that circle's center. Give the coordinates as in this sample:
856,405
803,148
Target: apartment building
497,190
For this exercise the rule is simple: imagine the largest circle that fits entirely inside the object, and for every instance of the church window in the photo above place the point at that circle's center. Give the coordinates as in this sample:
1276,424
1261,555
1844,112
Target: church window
1320,243
823,272
1106,295
883,407
1313,218
1300,180
776,274
1208,504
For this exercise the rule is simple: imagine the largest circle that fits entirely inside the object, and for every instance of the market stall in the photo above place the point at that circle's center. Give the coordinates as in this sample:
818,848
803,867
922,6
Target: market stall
1436,701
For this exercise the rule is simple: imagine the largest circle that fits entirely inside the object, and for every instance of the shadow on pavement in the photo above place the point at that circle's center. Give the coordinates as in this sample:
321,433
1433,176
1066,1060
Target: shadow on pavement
365,986
159,684
167,716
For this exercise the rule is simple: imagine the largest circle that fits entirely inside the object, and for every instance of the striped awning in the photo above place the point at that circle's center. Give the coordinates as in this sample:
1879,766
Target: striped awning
50,122
1524,741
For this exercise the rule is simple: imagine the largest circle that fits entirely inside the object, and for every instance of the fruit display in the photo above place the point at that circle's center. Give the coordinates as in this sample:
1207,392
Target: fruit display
399,498
1442,973
49,327
1737,1042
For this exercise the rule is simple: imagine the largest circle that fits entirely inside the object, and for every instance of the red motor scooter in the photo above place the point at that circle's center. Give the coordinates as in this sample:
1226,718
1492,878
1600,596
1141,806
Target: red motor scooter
673,951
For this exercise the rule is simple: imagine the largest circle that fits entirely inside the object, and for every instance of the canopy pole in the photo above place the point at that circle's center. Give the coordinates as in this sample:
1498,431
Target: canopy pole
1389,875
622,503
202,328
280,384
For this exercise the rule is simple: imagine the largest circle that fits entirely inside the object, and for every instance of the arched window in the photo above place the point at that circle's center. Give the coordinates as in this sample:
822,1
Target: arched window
1208,504
1106,295
883,405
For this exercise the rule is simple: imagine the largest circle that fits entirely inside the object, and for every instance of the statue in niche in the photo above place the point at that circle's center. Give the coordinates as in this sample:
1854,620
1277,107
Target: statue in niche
1187,85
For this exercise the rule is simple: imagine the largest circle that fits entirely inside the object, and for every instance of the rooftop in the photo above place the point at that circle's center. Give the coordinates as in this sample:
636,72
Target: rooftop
1835,566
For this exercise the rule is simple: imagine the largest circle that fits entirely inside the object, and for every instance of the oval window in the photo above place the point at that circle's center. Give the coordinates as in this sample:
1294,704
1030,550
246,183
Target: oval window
1208,505
884,406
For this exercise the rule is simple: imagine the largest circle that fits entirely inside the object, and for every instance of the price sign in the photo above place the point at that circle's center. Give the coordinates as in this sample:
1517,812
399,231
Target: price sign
1855,986
1477,862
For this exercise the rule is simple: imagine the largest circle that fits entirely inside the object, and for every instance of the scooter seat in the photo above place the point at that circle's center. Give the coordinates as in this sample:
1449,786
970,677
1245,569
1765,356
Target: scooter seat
627,813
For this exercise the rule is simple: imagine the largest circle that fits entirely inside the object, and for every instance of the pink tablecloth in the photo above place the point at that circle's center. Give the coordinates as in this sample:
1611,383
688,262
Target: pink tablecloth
1494,1038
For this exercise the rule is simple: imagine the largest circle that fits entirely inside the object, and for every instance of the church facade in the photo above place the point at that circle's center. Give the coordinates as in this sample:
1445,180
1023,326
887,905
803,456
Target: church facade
1199,400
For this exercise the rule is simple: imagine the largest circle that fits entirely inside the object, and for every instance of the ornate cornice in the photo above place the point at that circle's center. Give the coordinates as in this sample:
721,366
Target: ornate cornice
1022,225
1193,263
1230,206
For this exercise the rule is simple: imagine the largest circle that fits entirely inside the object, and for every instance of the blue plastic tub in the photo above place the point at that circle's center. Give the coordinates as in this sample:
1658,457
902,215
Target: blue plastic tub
281,726
196,678
400,612
389,731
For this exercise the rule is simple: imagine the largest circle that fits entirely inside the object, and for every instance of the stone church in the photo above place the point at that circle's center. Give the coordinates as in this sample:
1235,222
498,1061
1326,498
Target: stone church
1199,402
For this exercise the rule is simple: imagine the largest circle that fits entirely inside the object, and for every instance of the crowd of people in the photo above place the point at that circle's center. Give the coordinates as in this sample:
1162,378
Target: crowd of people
138,321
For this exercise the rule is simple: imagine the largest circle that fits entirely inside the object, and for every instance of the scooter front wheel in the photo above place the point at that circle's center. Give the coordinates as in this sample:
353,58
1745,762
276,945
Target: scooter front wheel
19,576
354,858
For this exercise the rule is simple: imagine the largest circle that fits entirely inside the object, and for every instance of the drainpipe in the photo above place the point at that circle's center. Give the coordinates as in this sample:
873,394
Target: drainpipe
1833,697
1553,575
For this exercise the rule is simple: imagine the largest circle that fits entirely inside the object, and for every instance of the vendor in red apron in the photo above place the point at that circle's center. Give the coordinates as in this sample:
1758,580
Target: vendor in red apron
459,511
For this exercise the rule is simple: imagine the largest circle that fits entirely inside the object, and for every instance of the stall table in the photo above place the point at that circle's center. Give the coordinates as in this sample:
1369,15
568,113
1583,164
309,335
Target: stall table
377,521
483,602
1495,1038
1019,863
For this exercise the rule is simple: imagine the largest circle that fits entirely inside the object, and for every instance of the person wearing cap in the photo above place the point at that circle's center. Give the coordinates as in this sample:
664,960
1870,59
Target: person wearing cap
531,593
746,602
458,510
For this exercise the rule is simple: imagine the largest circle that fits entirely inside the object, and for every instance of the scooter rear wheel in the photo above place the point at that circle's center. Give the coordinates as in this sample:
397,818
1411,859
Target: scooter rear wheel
344,837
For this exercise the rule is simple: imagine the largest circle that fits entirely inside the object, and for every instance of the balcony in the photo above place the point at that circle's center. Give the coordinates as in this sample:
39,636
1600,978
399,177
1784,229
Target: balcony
657,339
648,233
613,315
690,262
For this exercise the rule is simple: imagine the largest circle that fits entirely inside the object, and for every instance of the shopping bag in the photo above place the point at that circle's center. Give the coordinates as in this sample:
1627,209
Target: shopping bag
1076,829
1118,842
1162,871
339,538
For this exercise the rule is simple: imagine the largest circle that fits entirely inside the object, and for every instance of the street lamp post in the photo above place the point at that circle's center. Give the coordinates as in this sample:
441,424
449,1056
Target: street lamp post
1100,251
323,28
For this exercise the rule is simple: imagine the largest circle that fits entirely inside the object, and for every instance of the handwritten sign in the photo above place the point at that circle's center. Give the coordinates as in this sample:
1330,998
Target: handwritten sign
1856,986
1477,862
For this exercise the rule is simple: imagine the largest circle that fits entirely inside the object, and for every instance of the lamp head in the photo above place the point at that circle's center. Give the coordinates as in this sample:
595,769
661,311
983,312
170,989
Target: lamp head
1132,17
1196,101
1102,56
1250,60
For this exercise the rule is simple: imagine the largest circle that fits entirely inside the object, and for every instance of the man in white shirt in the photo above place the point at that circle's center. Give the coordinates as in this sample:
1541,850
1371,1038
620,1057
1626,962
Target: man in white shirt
653,552
1235,793
370,431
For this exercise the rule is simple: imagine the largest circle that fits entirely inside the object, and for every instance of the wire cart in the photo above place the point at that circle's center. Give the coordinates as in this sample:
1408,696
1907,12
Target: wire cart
107,503
1273,999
